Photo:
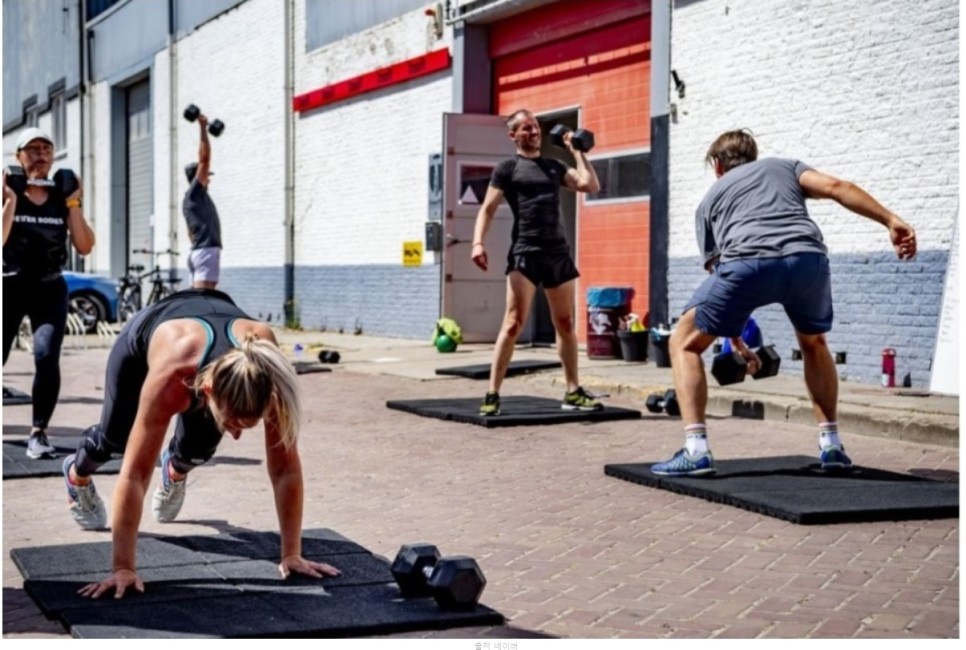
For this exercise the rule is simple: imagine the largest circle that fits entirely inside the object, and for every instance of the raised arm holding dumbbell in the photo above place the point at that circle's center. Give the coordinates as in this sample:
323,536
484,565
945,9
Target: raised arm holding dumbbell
761,247
40,216
204,226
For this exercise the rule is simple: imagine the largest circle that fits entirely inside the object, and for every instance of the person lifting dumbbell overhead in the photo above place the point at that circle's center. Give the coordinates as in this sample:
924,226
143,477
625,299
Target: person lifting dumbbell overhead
204,226
40,216
196,357
539,253
761,247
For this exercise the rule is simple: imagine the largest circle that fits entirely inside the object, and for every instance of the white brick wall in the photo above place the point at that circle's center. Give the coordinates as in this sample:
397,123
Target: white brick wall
362,164
867,91
232,67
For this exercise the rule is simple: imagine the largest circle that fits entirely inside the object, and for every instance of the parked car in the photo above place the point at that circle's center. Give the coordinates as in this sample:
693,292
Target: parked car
92,297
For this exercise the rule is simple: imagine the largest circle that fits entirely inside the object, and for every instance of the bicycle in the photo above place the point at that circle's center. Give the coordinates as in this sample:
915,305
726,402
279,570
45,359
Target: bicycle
129,286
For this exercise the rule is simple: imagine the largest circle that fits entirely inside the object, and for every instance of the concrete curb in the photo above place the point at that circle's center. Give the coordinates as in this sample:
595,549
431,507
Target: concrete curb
932,429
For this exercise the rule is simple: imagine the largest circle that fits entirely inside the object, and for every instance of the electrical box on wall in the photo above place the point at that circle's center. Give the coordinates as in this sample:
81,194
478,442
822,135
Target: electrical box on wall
434,236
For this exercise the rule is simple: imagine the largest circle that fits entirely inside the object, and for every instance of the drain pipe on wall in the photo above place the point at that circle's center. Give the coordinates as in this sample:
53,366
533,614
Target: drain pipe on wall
661,13
173,207
290,308
85,168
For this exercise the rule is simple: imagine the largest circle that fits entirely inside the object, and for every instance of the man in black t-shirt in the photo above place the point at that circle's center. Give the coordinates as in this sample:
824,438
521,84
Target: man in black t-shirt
539,253
204,227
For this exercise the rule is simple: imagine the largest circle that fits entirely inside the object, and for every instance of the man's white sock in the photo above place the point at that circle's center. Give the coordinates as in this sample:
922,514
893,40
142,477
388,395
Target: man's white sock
696,439
828,435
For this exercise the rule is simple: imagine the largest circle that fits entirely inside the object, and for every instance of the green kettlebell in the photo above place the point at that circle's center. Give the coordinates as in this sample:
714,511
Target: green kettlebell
445,343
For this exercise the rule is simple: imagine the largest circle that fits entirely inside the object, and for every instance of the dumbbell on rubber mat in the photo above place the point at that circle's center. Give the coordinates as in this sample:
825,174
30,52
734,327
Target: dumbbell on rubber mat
456,581
215,127
731,368
583,140
666,403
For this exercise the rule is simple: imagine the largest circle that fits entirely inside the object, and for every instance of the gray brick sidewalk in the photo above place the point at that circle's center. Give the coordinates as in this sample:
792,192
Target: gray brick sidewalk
567,551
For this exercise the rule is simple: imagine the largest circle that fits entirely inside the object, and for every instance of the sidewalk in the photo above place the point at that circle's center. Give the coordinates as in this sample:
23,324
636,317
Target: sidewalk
911,415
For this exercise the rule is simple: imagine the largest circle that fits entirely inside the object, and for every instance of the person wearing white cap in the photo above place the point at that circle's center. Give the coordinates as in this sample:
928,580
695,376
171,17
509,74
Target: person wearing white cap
35,237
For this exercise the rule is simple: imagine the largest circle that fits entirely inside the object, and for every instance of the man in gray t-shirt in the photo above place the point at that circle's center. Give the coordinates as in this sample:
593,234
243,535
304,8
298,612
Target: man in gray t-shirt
761,247
204,227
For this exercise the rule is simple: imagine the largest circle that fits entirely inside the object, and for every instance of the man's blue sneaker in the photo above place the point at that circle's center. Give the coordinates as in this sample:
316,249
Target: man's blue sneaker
834,457
684,464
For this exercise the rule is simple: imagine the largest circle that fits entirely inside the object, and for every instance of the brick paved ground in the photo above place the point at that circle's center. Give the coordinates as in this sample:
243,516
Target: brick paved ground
567,551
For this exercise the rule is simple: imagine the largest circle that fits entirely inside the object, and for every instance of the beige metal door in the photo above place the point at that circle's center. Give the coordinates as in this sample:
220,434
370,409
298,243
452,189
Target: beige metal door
473,145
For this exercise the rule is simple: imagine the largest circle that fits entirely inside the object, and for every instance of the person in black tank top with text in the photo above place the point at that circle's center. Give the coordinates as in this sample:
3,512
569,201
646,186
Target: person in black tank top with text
539,253
36,230
197,357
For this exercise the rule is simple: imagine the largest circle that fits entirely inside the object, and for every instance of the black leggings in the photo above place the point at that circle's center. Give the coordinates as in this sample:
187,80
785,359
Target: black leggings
196,436
45,302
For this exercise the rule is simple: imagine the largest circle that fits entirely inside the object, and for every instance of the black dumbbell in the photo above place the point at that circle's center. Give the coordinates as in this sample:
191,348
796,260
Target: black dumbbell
456,582
666,403
64,181
215,127
329,356
583,140
730,367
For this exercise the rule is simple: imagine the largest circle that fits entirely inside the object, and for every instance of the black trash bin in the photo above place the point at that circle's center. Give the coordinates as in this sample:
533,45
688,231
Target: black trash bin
633,344
658,348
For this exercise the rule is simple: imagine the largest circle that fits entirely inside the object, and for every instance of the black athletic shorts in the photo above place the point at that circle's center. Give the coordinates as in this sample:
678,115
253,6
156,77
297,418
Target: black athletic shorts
549,270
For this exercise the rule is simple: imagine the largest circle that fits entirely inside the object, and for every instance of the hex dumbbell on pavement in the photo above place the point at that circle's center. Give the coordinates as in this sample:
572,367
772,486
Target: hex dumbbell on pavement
455,582
666,403
408,568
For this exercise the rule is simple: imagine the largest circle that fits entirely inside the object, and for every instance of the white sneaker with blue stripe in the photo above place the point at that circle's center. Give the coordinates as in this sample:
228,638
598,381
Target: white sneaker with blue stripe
86,506
168,499
684,464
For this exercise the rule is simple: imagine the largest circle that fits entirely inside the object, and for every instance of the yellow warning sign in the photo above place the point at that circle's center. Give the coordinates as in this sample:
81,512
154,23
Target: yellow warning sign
412,253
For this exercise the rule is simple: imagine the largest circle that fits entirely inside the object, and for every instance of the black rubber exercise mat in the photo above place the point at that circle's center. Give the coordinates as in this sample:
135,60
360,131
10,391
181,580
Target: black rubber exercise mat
482,370
17,465
515,410
228,586
796,489
14,397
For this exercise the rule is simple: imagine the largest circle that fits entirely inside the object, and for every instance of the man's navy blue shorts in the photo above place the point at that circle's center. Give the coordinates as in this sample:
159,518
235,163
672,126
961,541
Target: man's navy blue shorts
801,283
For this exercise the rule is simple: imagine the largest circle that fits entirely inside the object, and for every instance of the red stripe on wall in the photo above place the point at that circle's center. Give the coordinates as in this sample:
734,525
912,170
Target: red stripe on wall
560,20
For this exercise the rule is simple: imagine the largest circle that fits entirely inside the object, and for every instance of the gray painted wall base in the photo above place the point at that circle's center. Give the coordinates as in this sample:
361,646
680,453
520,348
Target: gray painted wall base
384,300
879,302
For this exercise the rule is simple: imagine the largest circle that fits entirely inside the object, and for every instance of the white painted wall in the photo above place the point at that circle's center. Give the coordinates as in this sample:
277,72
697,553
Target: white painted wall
362,165
232,68
867,91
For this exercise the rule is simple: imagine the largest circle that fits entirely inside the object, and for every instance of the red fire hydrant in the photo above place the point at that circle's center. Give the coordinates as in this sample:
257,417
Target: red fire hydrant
889,367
